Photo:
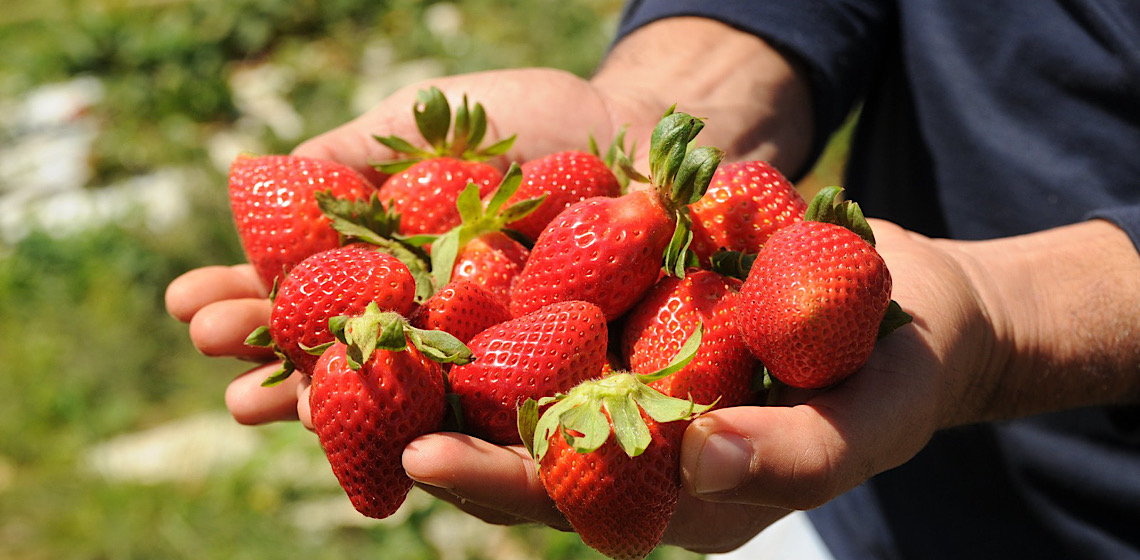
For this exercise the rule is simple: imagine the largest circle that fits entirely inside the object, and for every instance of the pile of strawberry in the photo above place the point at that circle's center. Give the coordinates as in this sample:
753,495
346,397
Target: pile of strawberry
553,305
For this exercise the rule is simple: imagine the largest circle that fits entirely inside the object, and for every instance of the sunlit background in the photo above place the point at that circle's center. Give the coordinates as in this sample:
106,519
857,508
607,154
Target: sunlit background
118,120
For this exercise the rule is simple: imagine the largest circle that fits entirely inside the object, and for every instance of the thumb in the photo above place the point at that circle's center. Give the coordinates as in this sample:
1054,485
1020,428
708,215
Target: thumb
789,457
801,456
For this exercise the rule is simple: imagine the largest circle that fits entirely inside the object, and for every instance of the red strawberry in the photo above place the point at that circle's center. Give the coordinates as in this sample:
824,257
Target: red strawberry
423,188
477,250
608,454
565,178
424,195
817,297
275,208
462,309
492,260
535,355
341,281
609,251
372,393
745,204
653,332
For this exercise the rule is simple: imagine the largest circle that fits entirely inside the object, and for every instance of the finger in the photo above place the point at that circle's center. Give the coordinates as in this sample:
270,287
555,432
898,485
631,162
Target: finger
304,413
483,513
251,403
713,527
488,475
190,292
801,456
354,143
220,328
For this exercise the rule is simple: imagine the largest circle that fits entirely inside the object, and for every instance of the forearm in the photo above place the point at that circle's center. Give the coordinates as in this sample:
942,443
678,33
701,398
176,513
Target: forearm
756,103
1065,310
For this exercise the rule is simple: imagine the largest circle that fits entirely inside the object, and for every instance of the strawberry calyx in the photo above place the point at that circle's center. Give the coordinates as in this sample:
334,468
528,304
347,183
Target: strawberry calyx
680,174
262,338
587,414
376,329
847,213
433,118
478,219
369,221
734,264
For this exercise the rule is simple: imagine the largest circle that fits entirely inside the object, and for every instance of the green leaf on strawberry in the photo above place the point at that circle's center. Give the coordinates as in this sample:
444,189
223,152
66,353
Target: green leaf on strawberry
893,319
369,221
680,174
590,412
847,213
433,117
478,220
685,354
388,330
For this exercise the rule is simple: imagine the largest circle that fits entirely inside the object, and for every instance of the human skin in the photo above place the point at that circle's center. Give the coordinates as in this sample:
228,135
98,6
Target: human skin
1002,329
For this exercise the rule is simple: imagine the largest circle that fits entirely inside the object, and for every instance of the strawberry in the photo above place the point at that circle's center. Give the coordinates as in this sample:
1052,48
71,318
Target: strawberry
336,282
477,249
608,455
609,251
423,187
722,370
538,354
275,210
745,203
462,309
373,391
564,178
817,297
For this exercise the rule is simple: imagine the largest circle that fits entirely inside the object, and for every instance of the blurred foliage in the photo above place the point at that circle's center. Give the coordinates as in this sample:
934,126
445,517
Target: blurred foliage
166,64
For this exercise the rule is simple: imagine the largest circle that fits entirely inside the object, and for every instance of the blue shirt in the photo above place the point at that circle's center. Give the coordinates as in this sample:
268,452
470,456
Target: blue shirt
978,120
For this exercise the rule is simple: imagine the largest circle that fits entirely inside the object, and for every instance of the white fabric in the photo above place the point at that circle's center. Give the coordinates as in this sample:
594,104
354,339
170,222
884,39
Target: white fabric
790,538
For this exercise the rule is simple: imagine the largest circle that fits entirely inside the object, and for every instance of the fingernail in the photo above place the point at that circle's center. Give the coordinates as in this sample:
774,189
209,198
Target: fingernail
722,464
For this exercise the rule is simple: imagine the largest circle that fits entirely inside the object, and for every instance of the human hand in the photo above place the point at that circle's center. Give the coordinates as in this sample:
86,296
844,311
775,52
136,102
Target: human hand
549,110
745,467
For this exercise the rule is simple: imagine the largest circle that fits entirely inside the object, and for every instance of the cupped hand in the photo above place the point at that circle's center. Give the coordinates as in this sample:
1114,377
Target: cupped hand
222,305
548,110
745,467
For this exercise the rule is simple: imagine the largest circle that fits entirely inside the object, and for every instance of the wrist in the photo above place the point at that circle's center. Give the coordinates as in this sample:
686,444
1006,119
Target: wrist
755,99
1060,310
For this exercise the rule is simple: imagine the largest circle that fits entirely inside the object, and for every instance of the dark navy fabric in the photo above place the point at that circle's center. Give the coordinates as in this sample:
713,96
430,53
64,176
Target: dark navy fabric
978,120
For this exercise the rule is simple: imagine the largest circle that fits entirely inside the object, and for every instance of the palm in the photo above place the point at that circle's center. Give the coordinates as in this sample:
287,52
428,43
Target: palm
548,110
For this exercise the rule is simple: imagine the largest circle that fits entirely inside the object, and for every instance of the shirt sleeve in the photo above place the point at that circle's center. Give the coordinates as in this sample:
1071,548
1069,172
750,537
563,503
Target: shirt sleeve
1126,218
838,41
